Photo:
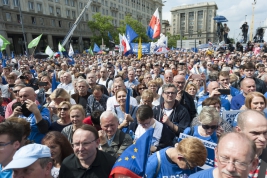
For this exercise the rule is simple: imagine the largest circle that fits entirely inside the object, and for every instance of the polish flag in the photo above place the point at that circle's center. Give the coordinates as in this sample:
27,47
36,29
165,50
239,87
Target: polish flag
125,44
153,30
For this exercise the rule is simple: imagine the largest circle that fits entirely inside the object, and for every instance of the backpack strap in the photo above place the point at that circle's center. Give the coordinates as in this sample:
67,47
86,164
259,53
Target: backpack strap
107,82
192,129
159,164
263,164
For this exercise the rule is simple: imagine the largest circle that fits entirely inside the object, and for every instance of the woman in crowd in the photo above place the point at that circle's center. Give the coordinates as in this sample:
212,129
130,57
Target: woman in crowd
153,86
124,119
191,89
60,148
59,95
63,112
140,88
147,98
209,119
180,160
77,115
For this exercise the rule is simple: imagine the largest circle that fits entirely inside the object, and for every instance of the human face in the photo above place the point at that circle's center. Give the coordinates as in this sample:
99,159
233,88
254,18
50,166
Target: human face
179,82
197,82
24,94
210,128
141,88
97,95
248,86
103,73
217,106
109,125
66,78
76,117
168,77
63,111
153,87
169,95
6,71
192,91
248,72
146,123
33,171
146,101
82,88
7,149
258,103
117,86
16,92
121,97
91,79
224,81
156,70
85,145
131,75
55,150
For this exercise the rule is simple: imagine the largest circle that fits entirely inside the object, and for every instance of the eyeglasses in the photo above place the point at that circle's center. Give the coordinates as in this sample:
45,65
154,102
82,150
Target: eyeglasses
15,91
2,145
213,127
141,88
238,165
187,163
84,144
64,109
170,93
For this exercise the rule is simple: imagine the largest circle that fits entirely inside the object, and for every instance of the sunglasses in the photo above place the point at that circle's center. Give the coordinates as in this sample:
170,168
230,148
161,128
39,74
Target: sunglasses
213,127
15,91
64,109
141,88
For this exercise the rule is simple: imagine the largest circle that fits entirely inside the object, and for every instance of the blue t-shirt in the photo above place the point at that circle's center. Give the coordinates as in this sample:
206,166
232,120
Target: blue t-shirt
167,169
212,138
237,102
203,174
6,173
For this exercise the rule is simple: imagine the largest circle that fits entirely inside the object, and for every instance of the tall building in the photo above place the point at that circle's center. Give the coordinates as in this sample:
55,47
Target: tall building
53,19
195,21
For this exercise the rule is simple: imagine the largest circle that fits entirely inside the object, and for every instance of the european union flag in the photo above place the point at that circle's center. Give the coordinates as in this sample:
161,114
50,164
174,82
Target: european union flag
109,36
12,55
54,82
3,63
71,60
1,54
96,48
130,33
133,160
127,104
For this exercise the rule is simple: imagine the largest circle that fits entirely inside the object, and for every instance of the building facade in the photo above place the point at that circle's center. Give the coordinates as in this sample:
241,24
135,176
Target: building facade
53,19
195,21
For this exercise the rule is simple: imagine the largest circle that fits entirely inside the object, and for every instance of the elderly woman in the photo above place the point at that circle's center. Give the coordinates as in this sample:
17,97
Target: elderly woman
153,87
209,119
179,161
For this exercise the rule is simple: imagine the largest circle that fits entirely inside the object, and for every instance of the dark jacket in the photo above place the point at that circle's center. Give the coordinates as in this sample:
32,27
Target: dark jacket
188,102
260,85
104,89
93,104
179,116
76,96
166,139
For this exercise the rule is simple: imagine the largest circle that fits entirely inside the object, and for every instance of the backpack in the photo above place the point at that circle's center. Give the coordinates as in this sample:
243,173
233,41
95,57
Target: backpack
106,82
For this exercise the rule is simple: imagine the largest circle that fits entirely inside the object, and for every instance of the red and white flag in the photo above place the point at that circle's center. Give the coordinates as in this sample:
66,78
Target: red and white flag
153,30
125,44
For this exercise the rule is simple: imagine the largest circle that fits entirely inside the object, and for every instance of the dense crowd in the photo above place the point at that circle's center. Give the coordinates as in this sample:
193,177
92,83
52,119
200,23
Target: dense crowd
75,120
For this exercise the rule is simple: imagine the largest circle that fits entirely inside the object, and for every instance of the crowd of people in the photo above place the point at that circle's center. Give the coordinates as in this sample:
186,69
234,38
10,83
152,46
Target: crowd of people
66,121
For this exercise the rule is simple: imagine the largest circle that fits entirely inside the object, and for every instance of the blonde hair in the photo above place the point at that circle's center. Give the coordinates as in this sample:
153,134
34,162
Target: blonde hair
208,115
60,93
78,107
148,95
250,97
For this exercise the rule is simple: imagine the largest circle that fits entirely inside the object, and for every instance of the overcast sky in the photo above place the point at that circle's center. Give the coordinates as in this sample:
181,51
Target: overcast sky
233,10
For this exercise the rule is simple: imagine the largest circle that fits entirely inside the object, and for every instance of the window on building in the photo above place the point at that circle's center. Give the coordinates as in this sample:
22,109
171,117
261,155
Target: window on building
56,0
200,14
73,14
67,2
67,13
41,21
39,7
16,3
102,2
106,12
58,11
8,17
5,2
53,23
51,9
72,3
81,5
18,18
70,25
31,7
103,11
33,20
106,3
59,23
86,17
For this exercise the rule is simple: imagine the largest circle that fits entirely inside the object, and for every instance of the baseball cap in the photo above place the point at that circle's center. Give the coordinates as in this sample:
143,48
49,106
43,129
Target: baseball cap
27,155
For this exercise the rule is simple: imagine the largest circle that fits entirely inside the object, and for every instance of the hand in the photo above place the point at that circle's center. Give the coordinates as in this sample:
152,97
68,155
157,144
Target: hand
214,93
17,111
128,118
32,106
165,119
153,149
179,95
102,137
219,131
125,123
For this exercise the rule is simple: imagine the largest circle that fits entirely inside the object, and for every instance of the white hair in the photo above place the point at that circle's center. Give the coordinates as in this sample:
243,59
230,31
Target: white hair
107,114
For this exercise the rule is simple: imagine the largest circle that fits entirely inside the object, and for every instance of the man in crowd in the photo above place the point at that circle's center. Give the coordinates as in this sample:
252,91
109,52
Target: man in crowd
156,72
67,83
254,125
168,78
83,94
236,155
87,161
91,80
37,116
244,28
132,82
112,139
30,80
105,80
31,161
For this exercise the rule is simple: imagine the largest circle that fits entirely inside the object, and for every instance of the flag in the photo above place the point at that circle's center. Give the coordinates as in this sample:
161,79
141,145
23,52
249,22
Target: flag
54,81
130,33
90,51
139,49
125,44
3,63
210,43
109,36
133,160
60,47
153,30
12,55
3,42
57,54
96,48
49,51
71,52
1,54
127,104
121,46
71,60
35,41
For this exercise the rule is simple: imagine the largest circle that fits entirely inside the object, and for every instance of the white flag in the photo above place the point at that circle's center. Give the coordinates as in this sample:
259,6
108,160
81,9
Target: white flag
1,42
71,52
49,51
121,47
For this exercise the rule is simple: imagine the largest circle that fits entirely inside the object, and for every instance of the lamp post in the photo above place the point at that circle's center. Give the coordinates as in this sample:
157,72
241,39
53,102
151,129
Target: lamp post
24,37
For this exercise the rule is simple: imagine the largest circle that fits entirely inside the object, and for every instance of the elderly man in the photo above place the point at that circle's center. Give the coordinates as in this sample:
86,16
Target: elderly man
156,72
91,80
168,78
31,161
104,79
37,116
83,94
87,161
236,157
254,125
171,112
112,139
132,82
66,83
247,85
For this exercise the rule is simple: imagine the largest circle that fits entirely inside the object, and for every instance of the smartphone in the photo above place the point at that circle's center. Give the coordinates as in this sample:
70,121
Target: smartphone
42,83
11,85
25,111
224,91
181,63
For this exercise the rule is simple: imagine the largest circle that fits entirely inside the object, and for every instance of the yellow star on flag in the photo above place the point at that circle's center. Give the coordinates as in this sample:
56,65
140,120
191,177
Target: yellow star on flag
135,150
133,157
126,158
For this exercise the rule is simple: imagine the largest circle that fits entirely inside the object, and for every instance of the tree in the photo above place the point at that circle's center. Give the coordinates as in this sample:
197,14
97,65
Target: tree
100,26
172,40
136,26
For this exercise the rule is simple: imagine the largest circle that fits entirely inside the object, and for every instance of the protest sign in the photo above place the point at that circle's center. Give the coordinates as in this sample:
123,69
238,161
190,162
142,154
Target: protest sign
229,116
145,48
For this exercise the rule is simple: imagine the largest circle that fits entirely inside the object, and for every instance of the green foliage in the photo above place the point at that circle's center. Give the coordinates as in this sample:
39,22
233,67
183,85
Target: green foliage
136,26
232,40
172,40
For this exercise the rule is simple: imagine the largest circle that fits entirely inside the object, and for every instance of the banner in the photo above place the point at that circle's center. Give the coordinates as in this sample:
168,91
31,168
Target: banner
229,116
145,48
210,146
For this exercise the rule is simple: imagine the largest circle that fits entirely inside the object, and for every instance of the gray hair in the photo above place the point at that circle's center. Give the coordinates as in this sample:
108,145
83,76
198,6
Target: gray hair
208,115
166,86
82,81
107,114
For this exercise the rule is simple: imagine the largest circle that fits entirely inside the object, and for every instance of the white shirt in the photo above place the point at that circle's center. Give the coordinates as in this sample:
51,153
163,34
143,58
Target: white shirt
5,92
102,82
68,87
112,101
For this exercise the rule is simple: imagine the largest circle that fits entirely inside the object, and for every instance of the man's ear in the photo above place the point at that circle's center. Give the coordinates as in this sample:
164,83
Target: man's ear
237,129
48,168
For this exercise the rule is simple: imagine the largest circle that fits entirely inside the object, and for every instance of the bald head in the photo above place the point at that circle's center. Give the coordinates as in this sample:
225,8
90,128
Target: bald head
249,116
179,82
27,93
212,86
245,81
